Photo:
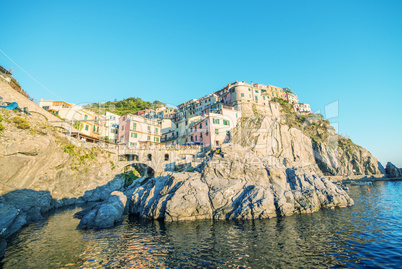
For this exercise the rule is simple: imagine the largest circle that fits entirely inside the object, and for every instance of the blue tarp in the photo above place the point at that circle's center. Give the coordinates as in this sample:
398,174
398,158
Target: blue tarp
11,106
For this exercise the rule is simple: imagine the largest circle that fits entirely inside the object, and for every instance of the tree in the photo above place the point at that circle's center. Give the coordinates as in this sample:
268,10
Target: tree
288,90
78,125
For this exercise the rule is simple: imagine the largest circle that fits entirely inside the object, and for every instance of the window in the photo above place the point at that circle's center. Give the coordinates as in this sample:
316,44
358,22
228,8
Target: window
149,138
134,126
149,157
149,128
216,131
276,95
242,95
200,125
86,127
166,157
206,122
206,133
256,98
45,107
156,130
97,129
256,91
249,95
263,97
85,116
273,95
195,138
93,129
122,128
249,89
192,139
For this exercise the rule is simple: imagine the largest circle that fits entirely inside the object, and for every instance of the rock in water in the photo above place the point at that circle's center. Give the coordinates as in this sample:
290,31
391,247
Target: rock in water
392,171
103,215
239,185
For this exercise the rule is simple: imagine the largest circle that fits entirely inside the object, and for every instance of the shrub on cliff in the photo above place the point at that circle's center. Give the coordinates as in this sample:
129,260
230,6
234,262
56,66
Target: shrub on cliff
21,123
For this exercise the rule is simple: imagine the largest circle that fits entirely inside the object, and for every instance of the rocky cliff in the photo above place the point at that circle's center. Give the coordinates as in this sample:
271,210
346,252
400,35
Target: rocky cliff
235,184
40,169
296,140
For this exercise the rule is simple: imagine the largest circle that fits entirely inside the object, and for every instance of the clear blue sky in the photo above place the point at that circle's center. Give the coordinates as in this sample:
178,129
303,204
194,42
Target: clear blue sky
173,51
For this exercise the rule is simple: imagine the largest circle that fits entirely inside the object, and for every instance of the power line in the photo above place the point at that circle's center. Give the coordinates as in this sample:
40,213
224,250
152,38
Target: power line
34,79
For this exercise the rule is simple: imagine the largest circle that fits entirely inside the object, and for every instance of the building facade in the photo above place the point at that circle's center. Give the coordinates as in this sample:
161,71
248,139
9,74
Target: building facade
139,131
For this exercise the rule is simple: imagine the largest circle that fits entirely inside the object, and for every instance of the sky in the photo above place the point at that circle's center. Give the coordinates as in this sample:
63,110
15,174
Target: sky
343,54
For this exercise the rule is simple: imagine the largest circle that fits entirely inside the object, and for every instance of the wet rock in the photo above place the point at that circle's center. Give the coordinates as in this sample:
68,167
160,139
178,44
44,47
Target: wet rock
30,202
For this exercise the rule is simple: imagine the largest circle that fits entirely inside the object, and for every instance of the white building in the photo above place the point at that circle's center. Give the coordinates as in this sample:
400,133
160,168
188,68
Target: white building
302,107
112,126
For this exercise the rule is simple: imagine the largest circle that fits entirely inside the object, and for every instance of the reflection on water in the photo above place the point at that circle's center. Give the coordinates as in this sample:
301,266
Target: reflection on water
367,234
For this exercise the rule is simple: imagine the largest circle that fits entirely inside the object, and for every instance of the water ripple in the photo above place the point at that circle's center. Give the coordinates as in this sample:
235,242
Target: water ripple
365,235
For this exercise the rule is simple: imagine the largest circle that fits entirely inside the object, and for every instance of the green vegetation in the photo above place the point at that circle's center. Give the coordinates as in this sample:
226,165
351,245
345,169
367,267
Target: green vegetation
106,138
130,176
130,105
21,123
78,125
1,125
286,89
312,125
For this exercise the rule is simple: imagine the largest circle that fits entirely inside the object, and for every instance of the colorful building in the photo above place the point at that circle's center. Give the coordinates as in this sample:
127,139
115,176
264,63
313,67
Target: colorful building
214,128
138,131
302,107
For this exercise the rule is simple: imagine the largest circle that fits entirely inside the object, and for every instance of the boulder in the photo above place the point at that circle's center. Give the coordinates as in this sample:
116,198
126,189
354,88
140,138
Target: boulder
32,203
392,171
103,215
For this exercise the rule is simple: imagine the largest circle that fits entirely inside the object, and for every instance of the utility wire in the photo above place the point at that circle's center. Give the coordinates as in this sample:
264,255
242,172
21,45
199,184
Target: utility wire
31,76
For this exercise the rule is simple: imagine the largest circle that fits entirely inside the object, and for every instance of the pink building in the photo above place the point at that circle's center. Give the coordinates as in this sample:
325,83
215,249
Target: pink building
214,128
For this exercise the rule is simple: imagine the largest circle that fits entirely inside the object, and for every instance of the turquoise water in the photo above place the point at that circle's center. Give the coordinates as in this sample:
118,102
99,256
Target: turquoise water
369,234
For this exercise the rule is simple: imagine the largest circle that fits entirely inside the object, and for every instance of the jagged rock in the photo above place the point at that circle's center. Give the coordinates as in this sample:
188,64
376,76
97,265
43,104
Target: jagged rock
345,158
20,207
239,185
103,215
381,168
392,171
11,220
3,245
32,203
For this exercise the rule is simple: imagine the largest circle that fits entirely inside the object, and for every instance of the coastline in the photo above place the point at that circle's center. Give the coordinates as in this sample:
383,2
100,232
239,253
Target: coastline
362,178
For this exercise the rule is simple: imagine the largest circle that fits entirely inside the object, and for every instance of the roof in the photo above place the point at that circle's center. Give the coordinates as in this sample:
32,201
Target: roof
2,69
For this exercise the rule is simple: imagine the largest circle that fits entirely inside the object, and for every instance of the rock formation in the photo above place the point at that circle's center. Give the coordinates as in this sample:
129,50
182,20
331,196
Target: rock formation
239,185
105,214
392,171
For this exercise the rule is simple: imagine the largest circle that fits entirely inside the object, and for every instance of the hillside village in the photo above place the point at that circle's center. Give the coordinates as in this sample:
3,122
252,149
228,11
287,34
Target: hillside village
206,121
